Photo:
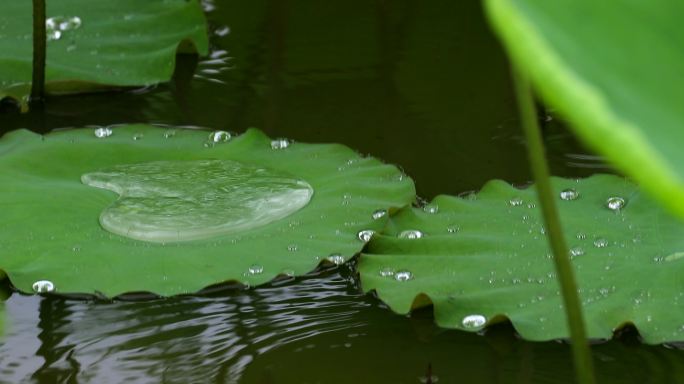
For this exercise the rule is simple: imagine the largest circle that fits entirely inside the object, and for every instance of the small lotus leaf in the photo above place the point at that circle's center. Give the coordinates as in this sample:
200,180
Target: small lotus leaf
51,228
485,258
98,44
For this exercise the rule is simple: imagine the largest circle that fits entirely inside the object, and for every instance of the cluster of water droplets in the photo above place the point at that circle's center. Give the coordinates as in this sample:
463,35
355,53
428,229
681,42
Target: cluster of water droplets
57,26
336,259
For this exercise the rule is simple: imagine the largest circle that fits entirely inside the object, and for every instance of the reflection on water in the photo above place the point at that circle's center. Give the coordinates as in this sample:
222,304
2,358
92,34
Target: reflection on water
317,329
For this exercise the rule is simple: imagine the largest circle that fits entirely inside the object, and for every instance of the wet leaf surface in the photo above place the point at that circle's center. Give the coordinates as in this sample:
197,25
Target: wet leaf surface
484,258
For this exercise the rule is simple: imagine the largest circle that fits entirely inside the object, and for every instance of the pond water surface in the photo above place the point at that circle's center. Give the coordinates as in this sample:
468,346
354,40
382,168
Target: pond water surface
421,84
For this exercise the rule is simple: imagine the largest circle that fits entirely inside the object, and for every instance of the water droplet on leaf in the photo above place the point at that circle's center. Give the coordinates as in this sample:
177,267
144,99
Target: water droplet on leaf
336,259
576,251
569,194
379,214
403,275
365,235
103,132
473,321
615,203
411,234
431,208
217,137
166,201
43,286
255,269
280,143
600,243
515,202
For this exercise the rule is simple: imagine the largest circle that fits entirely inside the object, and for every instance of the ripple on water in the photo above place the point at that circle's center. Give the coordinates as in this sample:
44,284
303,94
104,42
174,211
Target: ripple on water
195,338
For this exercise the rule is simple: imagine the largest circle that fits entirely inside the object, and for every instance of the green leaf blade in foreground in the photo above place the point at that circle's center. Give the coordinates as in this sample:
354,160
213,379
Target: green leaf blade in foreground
613,69
498,265
108,44
50,228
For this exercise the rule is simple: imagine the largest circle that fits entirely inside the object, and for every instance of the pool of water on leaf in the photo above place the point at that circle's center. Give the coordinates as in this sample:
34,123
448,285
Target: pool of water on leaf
423,85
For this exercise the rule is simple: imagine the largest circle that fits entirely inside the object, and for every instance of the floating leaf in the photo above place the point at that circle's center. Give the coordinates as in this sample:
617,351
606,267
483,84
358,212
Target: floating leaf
614,70
485,258
98,44
190,210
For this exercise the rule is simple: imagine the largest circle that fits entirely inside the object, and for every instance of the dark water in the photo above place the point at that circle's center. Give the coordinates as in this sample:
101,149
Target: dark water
421,84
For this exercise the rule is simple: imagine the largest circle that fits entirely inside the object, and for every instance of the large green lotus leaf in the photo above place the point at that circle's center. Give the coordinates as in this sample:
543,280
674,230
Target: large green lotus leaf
117,44
485,257
52,225
614,70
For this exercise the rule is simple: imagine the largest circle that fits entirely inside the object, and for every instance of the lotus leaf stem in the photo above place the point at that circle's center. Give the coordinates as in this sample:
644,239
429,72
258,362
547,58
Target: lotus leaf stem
535,150
39,48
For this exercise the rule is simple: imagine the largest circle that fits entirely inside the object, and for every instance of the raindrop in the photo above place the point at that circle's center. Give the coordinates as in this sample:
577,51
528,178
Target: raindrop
411,234
169,133
69,23
217,137
431,208
386,272
288,272
379,214
569,194
53,34
615,203
576,251
581,236
280,143
336,259
365,235
452,229
600,243
103,132
292,247
515,202
473,321
43,286
403,275
223,31
138,136
255,269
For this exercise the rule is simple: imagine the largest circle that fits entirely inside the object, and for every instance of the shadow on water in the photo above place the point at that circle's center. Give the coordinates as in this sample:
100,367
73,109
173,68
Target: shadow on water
422,84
